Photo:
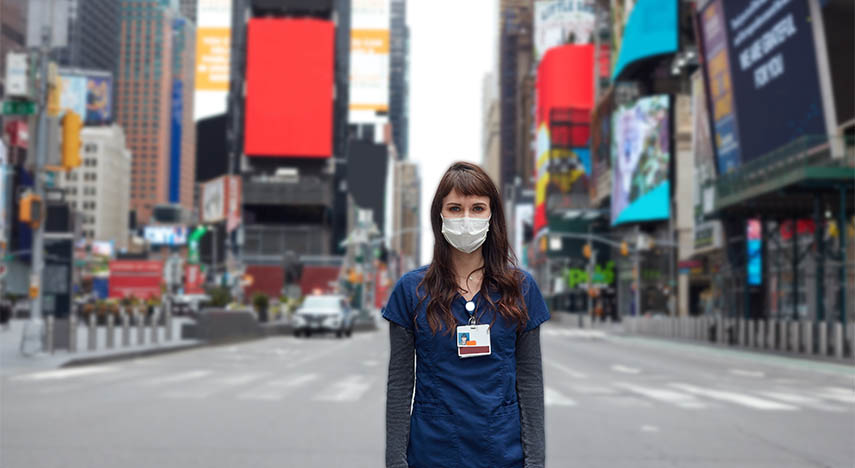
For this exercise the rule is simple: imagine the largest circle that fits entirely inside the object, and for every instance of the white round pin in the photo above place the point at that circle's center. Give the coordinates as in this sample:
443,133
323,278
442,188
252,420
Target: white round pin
470,306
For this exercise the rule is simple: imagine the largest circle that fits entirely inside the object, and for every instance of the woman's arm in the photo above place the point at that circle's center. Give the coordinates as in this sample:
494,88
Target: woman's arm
530,395
399,395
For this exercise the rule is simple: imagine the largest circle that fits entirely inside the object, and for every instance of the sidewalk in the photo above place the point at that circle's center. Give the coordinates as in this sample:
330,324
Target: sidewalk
12,362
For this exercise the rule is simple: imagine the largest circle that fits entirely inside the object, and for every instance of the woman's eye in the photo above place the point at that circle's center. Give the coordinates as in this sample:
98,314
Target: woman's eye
478,209
454,209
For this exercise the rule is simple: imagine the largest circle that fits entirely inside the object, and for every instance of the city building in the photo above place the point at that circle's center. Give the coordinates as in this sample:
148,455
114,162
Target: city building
406,232
13,31
182,151
98,189
399,79
93,36
145,86
188,9
491,140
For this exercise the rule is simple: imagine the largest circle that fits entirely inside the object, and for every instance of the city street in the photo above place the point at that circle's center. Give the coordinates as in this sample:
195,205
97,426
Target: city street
611,401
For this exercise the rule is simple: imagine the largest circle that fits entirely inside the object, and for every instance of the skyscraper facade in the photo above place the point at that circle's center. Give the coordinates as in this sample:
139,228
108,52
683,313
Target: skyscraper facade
188,9
93,35
399,81
144,98
182,126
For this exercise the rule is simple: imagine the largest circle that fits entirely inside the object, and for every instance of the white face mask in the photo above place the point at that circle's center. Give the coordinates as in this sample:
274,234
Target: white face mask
465,234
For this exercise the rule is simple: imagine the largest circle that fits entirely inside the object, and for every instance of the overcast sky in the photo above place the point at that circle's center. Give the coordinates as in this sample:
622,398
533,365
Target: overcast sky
452,47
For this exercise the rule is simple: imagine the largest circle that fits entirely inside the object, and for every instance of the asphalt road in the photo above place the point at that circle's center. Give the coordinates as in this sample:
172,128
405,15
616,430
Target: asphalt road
286,402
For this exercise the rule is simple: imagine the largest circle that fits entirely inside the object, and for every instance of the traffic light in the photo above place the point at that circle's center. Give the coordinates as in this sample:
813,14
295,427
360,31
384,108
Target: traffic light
71,126
53,103
31,210
624,249
586,250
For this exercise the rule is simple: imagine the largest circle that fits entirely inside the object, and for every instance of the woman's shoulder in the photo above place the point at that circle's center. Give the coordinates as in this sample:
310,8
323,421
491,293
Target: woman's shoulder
413,277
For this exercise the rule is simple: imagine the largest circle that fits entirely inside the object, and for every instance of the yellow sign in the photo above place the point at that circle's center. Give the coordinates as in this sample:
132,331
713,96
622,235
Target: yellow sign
212,59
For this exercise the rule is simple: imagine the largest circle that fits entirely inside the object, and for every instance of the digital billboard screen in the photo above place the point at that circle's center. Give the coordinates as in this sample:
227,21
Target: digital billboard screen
289,85
165,235
764,58
641,155
650,29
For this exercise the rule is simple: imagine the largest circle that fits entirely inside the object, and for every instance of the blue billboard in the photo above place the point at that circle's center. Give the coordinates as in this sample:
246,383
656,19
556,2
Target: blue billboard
651,29
764,58
175,143
99,97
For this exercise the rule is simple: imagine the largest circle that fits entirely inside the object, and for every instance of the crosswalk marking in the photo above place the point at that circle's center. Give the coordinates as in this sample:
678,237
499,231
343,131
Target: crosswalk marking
552,397
681,400
575,333
209,388
277,389
350,389
803,401
568,371
840,394
65,373
625,369
731,397
176,378
747,373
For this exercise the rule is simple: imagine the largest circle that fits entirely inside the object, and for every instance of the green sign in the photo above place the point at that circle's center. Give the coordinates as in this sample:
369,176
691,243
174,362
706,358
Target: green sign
19,108
602,276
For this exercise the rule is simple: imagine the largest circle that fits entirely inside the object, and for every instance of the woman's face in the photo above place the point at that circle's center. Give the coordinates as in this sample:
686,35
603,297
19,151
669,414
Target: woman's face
455,205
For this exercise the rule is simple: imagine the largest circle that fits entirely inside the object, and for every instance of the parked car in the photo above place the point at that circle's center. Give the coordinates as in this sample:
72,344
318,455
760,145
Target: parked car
324,313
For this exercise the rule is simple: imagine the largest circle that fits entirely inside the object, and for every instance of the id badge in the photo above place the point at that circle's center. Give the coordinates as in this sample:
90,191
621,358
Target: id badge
473,340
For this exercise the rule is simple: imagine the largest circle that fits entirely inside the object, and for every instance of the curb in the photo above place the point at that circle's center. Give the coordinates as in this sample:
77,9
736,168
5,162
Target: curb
131,355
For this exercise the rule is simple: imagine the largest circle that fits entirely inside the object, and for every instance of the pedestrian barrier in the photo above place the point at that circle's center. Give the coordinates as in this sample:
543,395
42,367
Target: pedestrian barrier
800,337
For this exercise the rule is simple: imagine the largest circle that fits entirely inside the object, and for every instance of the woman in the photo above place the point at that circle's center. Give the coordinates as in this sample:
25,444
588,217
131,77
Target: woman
471,319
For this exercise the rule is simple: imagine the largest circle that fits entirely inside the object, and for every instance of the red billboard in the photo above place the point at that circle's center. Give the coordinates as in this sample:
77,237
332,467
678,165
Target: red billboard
564,81
289,88
138,278
194,279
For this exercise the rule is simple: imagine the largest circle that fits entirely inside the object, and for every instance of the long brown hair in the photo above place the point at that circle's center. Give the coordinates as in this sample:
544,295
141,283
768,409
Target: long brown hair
500,272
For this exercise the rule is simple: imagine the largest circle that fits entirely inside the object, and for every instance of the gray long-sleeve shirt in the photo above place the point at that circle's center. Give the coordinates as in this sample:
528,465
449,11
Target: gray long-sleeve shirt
399,396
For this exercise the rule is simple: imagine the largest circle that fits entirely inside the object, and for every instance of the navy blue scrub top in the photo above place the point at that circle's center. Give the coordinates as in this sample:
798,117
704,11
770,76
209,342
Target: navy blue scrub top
465,411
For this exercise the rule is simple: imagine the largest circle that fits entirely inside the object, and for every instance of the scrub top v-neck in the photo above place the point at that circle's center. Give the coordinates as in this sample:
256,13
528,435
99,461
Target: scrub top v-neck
465,411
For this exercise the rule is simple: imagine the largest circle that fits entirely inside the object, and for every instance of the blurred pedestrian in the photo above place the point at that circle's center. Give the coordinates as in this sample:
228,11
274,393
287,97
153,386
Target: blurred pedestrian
478,398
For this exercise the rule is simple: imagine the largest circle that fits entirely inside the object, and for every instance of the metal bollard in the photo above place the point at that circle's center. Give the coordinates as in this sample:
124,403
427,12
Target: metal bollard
126,328
822,330
140,316
838,340
49,325
770,334
91,335
110,330
852,340
794,336
155,315
167,319
751,337
761,334
782,335
807,336
72,332
740,331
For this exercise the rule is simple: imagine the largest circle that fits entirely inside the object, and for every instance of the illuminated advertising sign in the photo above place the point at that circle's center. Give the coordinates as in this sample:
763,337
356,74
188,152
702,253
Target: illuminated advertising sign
369,60
175,142
641,154
88,93
165,235
650,29
760,54
754,267
289,85
558,22
135,278
213,42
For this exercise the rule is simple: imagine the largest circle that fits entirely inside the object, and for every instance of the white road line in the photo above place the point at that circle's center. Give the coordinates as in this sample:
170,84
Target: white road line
65,373
94,381
747,373
208,388
553,397
370,363
803,401
737,398
277,389
649,428
349,389
838,394
592,390
175,378
625,369
681,400
568,371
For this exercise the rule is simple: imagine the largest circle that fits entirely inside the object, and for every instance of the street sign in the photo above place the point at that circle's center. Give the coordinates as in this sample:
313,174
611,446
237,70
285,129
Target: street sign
17,83
19,108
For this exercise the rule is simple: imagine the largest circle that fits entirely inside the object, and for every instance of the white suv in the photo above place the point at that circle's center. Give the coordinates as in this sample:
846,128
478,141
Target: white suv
324,313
